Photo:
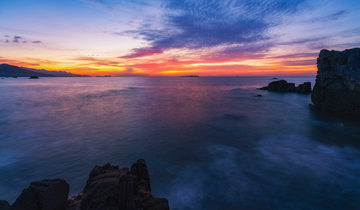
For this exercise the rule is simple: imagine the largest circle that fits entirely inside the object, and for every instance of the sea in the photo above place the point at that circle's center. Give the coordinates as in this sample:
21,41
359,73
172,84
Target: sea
209,142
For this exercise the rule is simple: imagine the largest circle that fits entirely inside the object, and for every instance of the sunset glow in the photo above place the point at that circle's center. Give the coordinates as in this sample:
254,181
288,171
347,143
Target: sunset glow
175,38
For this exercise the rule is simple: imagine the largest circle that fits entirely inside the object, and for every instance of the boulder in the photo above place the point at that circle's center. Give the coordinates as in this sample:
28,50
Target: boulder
43,195
111,187
284,86
337,86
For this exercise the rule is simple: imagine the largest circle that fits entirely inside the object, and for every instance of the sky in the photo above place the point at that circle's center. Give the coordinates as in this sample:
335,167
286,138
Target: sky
176,37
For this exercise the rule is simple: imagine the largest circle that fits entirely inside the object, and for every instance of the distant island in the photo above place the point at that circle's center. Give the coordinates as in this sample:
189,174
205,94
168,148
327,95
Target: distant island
7,70
104,76
190,76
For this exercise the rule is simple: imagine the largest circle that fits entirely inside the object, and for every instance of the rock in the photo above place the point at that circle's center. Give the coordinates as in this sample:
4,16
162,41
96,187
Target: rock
337,86
43,195
284,86
303,88
73,202
4,205
109,187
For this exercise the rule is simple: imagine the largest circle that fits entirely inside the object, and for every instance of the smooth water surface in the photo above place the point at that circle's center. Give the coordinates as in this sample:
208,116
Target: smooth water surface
209,143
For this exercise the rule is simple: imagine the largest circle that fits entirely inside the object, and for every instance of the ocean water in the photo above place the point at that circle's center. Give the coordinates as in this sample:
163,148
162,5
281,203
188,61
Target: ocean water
209,143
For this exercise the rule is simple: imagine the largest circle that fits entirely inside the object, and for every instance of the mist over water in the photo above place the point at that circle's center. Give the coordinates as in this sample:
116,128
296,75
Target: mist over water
209,143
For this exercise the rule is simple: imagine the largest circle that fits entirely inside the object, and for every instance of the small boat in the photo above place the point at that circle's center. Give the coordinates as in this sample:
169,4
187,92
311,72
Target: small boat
34,77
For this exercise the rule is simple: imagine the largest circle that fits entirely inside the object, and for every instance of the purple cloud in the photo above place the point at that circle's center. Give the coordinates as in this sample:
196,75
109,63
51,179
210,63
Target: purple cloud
199,24
16,39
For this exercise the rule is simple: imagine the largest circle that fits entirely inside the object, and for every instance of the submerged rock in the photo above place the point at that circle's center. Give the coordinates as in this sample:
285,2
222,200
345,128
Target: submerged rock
337,86
284,86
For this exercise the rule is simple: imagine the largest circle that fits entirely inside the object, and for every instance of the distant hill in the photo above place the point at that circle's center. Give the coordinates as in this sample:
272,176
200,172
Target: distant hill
7,70
56,73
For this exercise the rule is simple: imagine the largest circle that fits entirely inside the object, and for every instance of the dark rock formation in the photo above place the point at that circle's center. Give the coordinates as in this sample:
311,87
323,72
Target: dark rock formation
337,87
284,86
43,195
108,188
4,205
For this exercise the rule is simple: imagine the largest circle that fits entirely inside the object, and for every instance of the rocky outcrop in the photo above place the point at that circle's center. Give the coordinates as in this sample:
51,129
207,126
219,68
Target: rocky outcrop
337,87
284,86
43,195
108,187
4,205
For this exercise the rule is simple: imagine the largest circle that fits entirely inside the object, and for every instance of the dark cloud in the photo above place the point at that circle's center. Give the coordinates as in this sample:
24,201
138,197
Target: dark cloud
16,39
36,42
6,36
198,24
7,41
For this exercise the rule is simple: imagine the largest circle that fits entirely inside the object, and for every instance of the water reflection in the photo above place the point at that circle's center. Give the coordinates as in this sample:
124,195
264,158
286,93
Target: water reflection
209,142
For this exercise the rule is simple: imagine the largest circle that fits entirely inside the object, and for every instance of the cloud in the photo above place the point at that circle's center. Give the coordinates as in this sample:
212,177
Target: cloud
327,18
99,61
297,55
128,72
141,52
308,62
16,63
303,41
110,5
16,39
7,41
36,42
6,36
201,24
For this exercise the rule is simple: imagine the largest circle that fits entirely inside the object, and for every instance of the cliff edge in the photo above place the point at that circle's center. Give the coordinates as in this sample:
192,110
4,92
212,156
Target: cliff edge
337,86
